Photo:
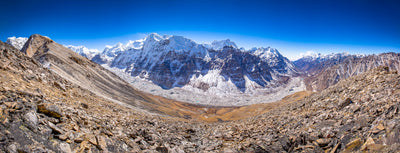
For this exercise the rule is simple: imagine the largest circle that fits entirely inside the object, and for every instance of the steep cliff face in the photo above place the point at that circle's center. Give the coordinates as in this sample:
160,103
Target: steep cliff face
323,73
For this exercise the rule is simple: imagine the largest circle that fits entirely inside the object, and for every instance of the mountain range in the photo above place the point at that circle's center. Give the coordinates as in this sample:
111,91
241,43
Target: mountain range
219,69
220,73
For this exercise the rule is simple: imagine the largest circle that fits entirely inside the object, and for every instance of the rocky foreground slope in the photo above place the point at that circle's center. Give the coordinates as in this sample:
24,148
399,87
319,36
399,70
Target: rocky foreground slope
41,111
359,114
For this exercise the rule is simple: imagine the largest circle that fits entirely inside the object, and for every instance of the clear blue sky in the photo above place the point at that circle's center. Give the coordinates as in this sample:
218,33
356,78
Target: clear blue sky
291,26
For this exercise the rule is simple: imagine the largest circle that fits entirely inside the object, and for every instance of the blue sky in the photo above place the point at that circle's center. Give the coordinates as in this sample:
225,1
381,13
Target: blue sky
291,26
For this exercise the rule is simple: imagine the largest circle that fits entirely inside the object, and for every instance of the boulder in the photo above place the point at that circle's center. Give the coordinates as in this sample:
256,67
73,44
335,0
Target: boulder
50,110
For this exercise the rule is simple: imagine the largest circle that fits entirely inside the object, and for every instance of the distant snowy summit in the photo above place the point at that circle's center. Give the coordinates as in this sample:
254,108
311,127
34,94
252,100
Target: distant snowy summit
219,44
17,42
311,56
82,50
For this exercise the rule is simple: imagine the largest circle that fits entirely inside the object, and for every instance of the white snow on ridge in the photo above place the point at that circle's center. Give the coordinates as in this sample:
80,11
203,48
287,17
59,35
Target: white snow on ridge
17,42
82,50
311,56
175,43
218,45
137,44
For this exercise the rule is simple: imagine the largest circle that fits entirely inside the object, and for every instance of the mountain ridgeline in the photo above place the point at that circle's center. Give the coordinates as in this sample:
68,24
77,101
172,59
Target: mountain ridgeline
175,61
222,69
325,71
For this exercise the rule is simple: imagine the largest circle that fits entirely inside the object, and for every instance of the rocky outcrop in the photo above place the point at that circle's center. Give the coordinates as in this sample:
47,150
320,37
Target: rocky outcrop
36,44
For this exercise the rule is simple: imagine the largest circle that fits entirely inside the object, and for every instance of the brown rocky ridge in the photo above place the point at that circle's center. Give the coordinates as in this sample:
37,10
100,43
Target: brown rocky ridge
42,110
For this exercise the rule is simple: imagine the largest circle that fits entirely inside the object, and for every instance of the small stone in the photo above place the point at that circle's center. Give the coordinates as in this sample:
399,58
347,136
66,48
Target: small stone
78,139
50,110
368,142
63,137
229,150
92,139
353,145
12,147
380,127
323,142
85,105
55,129
344,103
31,120
65,147
374,147
335,148
285,142
75,127
375,131
101,143
162,149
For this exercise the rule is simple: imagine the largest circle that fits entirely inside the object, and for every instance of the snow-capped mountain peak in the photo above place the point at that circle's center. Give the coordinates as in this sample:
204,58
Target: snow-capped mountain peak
219,44
137,44
179,43
82,50
313,56
17,42
154,37
266,53
113,51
